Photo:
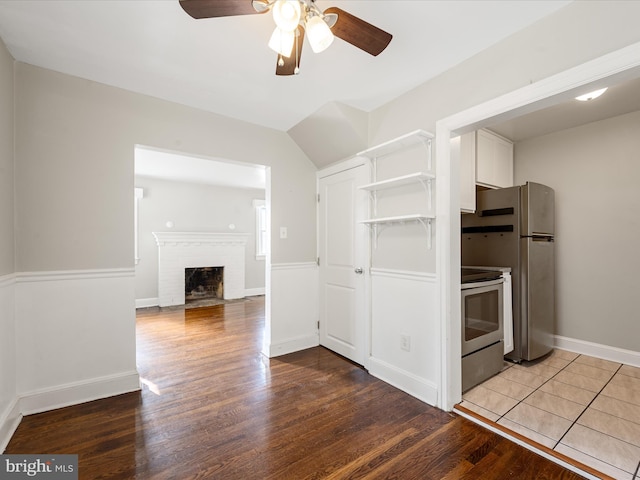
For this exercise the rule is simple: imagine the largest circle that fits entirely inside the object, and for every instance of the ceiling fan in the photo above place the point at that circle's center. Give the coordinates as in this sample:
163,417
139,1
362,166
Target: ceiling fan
293,19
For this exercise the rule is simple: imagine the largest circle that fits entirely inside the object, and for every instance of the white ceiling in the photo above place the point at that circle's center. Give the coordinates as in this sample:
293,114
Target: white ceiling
223,65
183,168
620,98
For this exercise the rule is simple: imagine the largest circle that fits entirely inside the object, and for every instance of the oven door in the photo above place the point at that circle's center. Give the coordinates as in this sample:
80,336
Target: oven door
482,315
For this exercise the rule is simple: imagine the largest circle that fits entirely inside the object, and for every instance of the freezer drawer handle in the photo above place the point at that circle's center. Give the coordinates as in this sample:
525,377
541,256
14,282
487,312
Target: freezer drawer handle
488,229
494,212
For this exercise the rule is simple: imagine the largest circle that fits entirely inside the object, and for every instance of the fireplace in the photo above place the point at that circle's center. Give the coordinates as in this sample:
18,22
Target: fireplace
203,282
179,251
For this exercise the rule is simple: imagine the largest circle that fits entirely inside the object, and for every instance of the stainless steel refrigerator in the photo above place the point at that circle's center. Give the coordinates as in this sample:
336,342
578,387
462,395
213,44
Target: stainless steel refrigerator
514,227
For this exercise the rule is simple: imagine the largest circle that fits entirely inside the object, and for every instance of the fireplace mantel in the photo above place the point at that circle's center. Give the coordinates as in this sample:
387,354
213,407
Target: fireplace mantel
199,238
180,250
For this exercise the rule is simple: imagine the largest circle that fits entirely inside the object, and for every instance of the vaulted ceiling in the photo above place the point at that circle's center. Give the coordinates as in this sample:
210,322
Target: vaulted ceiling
223,65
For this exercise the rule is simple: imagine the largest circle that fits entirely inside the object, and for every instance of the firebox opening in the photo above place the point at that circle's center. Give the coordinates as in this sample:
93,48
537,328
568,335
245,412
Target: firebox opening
203,282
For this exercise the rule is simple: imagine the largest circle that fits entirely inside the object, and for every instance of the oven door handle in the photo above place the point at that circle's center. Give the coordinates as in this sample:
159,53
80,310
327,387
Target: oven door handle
466,286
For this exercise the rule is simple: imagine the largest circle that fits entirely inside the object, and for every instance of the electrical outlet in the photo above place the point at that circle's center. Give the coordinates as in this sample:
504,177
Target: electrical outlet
405,343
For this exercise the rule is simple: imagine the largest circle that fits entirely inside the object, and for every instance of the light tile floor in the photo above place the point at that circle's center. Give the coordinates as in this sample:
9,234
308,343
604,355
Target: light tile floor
583,407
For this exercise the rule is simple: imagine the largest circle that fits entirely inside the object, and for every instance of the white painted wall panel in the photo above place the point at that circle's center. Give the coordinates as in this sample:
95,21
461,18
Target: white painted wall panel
8,392
72,329
294,309
405,304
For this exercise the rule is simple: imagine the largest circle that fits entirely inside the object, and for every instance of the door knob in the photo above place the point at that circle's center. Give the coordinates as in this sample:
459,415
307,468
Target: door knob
359,270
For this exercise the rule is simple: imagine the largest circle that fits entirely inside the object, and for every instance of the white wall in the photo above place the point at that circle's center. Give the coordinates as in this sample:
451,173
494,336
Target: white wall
403,281
193,208
6,161
7,279
595,172
74,169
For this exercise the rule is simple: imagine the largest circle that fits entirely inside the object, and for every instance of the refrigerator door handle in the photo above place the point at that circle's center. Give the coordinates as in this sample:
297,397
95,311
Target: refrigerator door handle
540,237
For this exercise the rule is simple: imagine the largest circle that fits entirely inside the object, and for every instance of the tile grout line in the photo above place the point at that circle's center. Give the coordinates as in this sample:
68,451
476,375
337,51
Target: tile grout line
634,475
538,388
597,394
590,403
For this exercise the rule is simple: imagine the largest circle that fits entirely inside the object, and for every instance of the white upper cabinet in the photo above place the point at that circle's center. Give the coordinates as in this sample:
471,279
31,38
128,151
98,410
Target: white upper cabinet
494,160
464,147
486,159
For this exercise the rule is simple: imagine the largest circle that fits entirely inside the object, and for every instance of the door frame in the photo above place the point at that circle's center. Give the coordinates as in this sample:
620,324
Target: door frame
333,169
617,66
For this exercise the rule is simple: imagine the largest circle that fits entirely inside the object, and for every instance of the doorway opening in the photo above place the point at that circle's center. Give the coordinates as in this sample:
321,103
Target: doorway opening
612,68
212,200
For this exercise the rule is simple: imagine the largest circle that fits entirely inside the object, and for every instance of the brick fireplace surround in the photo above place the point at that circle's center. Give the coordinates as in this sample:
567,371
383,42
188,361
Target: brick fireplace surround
180,250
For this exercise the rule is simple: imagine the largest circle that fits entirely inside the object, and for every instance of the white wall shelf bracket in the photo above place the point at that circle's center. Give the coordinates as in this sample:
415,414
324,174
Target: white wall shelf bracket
423,178
426,141
427,224
377,223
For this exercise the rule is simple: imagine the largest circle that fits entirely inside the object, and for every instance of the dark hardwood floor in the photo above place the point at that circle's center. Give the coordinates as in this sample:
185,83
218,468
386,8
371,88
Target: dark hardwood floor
212,407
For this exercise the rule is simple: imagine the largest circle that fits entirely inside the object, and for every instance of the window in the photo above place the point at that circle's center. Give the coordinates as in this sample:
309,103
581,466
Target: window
261,228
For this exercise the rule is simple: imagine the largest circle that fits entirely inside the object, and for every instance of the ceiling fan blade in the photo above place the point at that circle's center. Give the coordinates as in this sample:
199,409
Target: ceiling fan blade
359,33
293,62
218,8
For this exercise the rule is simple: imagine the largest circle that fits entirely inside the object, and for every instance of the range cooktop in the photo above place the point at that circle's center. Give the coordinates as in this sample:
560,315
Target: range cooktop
469,275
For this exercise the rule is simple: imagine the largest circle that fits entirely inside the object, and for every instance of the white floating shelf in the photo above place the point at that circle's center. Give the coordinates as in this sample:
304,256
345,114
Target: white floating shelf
413,138
399,181
417,217
378,223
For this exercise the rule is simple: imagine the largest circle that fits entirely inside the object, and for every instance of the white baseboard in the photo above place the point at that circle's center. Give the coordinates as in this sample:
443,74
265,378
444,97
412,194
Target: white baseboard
147,302
291,345
614,354
63,396
253,292
80,392
9,421
407,382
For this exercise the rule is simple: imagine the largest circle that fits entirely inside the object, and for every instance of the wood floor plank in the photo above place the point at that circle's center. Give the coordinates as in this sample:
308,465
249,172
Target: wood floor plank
212,407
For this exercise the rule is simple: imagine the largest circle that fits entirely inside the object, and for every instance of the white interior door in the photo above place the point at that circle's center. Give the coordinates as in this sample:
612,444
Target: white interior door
343,263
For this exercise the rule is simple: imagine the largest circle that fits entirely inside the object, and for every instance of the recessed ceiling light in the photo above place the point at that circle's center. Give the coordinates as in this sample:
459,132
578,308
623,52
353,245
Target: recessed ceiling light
591,95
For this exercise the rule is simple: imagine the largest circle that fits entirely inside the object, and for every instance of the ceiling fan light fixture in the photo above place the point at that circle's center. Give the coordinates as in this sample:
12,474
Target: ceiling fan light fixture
260,6
591,95
282,42
318,33
286,14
